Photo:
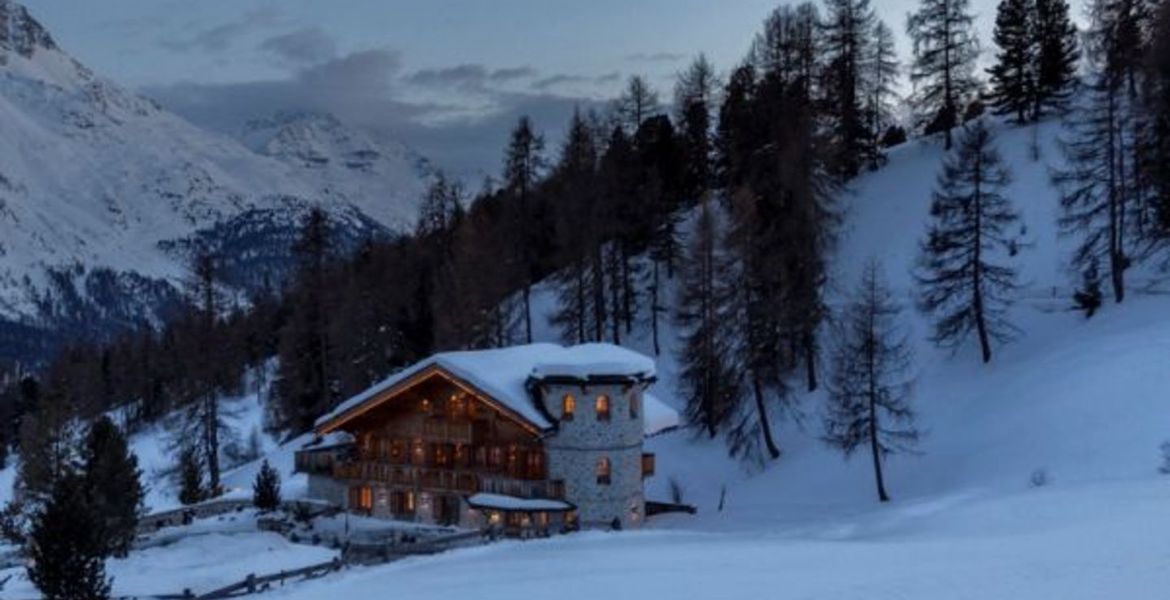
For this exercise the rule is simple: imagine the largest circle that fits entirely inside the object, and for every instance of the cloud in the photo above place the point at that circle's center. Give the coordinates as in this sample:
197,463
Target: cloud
610,77
367,90
656,57
557,80
460,76
307,46
224,36
512,73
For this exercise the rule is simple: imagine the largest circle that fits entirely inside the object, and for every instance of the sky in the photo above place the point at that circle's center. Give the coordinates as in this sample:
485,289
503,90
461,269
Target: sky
447,77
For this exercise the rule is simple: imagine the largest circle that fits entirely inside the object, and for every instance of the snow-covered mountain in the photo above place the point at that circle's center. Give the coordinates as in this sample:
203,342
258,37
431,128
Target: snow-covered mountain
103,192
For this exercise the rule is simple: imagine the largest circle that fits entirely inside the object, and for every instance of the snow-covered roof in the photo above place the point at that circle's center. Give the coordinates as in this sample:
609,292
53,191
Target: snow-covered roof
502,502
503,374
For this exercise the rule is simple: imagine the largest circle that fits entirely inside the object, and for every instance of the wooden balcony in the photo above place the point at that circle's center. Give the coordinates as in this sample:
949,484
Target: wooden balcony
446,480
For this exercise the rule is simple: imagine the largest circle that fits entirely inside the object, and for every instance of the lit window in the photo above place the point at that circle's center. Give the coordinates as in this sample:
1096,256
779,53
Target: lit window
568,407
365,498
634,401
425,405
603,471
602,404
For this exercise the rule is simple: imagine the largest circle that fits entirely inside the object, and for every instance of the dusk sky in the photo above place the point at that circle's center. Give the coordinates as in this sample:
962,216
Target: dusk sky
447,77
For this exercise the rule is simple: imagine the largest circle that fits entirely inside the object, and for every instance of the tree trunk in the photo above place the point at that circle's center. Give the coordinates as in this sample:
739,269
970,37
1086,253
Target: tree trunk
765,426
810,360
211,414
977,270
654,310
527,313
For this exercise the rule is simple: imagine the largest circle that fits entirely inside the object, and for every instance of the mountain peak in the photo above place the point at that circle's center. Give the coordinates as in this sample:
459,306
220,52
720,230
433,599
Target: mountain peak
20,32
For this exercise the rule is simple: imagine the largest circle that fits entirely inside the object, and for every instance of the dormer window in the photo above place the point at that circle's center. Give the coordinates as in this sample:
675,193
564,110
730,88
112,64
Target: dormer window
568,407
603,471
602,405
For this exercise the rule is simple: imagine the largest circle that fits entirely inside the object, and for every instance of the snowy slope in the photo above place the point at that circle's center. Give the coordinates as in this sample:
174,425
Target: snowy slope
99,188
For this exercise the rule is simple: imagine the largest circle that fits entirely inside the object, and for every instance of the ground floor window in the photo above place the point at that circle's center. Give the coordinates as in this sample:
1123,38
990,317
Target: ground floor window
361,497
603,470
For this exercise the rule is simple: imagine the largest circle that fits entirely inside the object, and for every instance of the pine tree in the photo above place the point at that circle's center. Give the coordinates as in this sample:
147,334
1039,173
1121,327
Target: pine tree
707,378
880,78
945,49
870,387
190,477
1014,87
66,549
965,284
113,485
846,38
47,443
1156,103
266,488
1057,56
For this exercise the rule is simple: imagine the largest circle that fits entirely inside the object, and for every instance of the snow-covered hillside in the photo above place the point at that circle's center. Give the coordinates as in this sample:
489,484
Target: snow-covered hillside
100,188
1081,401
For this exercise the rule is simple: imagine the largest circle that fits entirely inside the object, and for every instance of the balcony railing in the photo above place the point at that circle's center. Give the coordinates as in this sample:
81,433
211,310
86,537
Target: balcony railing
446,480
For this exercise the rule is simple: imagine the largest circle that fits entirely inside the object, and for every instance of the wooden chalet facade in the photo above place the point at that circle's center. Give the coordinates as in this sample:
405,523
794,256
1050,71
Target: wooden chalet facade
481,439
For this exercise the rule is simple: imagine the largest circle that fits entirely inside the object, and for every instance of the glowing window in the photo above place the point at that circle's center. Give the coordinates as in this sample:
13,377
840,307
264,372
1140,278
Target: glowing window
568,407
603,470
425,405
602,405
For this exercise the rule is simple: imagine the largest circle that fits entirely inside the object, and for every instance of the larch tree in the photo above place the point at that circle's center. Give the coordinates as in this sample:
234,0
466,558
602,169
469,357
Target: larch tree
1057,58
879,81
524,166
869,390
945,49
694,104
1099,182
1014,87
966,283
305,380
637,103
845,40
708,379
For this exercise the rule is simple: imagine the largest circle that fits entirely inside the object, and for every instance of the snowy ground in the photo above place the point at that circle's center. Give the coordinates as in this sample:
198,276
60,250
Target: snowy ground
1084,402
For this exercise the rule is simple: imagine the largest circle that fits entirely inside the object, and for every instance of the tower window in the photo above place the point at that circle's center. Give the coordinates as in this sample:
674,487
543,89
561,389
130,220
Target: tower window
602,405
568,407
603,471
635,400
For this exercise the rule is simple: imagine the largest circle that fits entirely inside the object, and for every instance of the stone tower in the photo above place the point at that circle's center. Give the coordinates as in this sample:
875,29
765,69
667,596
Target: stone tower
596,447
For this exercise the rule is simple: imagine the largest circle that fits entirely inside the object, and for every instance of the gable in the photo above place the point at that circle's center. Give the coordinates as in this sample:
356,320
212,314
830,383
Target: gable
400,386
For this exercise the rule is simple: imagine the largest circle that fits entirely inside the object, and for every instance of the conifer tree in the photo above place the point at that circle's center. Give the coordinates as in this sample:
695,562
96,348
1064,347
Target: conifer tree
637,103
846,40
945,49
1014,87
113,485
1057,56
966,285
266,488
870,386
190,477
1098,183
694,100
66,549
879,81
524,165
305,381
708,379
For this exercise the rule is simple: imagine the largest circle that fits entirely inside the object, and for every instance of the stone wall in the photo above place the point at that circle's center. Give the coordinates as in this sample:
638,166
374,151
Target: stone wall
576,448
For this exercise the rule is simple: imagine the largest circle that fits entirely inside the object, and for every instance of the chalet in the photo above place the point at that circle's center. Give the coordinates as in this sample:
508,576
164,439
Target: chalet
532,439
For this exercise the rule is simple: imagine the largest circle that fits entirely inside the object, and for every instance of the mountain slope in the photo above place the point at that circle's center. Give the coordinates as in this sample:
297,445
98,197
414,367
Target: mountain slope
102,190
